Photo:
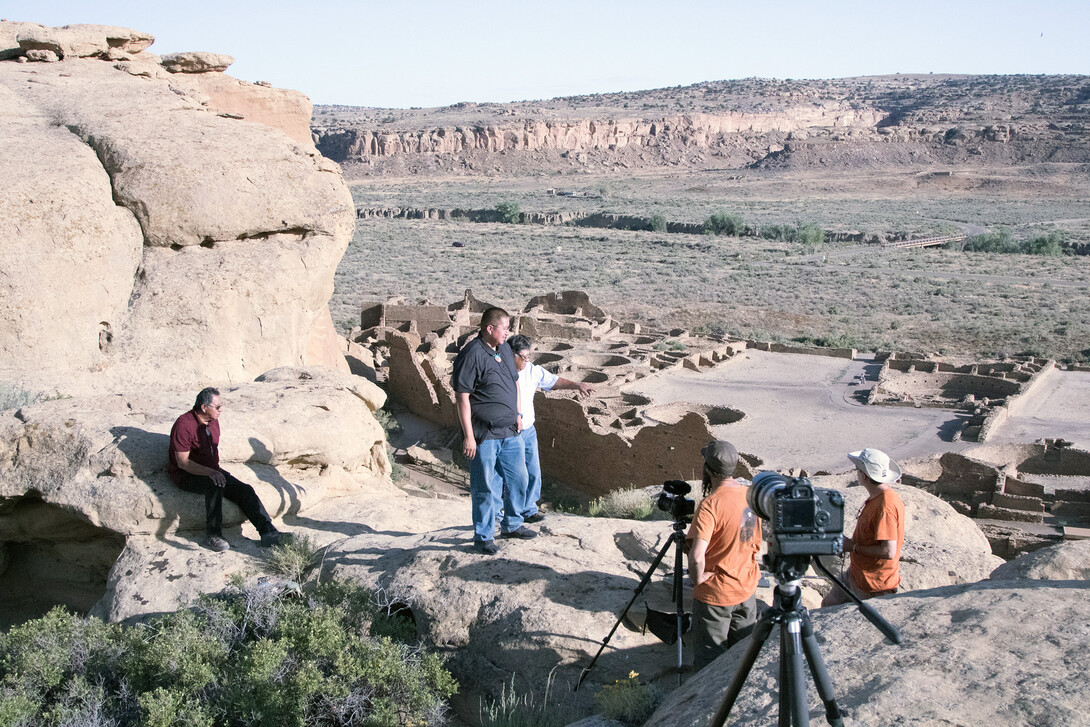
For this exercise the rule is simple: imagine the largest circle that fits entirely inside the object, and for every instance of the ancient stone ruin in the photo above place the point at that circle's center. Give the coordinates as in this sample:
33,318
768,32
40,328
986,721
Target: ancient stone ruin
1023,496
985,390
610,440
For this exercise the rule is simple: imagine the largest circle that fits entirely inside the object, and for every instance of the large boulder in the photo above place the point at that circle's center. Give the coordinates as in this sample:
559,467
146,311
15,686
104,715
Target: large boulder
82,41
1009,653
297,436
208,242
69,253
1063,562
84,480
942,547
196,62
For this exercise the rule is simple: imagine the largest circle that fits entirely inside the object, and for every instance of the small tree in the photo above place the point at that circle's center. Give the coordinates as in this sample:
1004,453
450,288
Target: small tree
811,234
723,223
658,223
509,212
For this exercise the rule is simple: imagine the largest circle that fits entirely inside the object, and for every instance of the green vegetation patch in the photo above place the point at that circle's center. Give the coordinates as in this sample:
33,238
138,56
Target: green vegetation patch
260,655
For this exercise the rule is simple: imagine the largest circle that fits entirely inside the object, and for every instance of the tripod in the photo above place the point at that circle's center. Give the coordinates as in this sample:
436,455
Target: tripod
676,539
796,641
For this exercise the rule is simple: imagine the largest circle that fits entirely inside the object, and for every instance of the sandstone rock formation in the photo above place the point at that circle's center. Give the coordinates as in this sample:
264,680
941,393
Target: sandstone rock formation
155,241
196,62
1064,562
191,246
71,41
698,130
83,476
941,546
1007,653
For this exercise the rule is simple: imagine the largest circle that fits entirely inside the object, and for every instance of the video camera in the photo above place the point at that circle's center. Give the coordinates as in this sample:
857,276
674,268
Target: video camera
805,520
672,500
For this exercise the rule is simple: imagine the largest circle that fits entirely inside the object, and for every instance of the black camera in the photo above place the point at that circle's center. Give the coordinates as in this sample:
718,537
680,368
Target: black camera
805,520
672,500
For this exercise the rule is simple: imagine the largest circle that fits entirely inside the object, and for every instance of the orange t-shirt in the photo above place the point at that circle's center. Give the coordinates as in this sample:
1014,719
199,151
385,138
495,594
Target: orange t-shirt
731,561
882,518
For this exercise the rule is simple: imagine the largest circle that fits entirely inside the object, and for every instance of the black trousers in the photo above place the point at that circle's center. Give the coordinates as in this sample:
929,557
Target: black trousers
237,492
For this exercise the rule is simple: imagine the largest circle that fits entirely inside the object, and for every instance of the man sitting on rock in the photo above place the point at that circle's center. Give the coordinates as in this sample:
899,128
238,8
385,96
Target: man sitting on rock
723,541
193,462
486,385
875,546
531,378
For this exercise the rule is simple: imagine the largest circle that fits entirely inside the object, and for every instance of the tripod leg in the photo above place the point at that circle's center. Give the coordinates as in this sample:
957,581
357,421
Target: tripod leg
784,682
639,589
821,675
756,641
678,563
796,681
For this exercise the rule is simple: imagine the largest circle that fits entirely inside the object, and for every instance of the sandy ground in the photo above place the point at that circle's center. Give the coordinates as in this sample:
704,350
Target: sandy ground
804,411
1058,407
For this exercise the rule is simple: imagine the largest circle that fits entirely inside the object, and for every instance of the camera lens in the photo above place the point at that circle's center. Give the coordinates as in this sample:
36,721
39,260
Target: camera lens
761,494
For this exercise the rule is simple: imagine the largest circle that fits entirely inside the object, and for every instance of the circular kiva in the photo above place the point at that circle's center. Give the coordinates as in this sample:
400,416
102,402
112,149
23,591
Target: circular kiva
673,413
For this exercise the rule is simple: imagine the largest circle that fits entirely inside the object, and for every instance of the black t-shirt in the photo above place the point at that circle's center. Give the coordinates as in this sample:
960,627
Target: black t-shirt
491,381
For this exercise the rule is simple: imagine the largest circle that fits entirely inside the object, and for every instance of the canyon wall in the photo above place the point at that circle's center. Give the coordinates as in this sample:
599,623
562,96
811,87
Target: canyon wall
700,130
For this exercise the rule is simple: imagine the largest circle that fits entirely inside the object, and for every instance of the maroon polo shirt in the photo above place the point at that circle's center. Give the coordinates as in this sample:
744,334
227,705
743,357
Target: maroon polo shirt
200,440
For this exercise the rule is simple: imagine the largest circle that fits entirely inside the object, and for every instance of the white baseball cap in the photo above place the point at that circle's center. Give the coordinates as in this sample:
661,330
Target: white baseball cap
877,465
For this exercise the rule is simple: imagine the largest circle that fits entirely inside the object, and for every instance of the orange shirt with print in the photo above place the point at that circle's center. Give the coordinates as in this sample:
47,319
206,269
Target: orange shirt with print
731,561
882,518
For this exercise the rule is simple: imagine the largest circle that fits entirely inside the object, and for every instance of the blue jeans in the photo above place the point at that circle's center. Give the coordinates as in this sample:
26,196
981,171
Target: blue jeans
498,470
533,472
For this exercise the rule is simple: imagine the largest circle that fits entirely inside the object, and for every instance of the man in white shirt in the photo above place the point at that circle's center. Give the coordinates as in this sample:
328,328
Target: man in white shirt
531,378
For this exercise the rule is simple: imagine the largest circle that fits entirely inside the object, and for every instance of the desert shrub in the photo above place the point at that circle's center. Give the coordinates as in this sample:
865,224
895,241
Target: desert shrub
999,242
723,223
295,558
13,396
658,223
509,212
626,700
250,656
784,233
527,710
631,504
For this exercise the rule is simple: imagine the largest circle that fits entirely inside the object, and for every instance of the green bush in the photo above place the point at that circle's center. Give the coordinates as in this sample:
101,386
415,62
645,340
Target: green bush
811,234
251,656
1050,245
626,700
722,223
658,223
509,212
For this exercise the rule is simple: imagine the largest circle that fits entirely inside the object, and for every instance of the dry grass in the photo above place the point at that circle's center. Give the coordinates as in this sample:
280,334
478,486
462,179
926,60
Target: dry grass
926,300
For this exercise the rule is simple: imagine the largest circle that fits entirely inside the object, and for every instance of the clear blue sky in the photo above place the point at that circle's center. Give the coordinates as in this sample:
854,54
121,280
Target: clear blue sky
401,53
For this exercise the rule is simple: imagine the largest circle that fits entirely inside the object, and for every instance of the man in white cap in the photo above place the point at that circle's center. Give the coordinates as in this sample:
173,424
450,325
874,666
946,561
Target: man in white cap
875,546
723,541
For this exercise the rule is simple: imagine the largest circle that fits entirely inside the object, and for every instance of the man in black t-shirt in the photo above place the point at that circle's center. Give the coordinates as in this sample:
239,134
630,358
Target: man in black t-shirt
485,382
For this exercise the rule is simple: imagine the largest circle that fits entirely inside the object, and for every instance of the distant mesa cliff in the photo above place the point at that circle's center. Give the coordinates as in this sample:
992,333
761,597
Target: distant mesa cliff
888,121
700,130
